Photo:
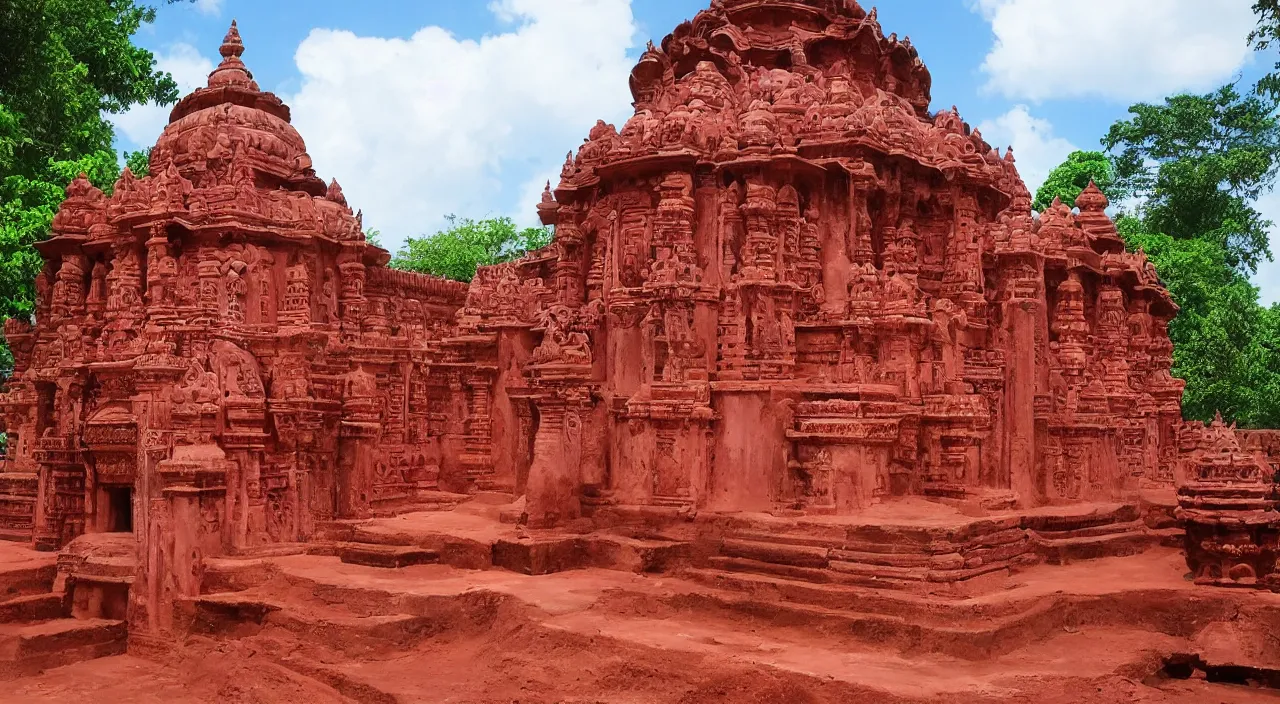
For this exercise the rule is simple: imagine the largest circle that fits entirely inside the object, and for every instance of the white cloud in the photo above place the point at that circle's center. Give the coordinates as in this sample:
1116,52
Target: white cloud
420,128
143,124
1035,148
1122,50
1268,277
209,7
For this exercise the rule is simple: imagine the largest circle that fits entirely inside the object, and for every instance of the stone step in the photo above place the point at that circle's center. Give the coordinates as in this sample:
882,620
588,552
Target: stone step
33,608
1119,513
808,574
1058,551
787,539
902,621
26,649
387,556
16,535
331,674
832,596
778,553
889,559
876,572
26,581
1094,531
852,597
339,626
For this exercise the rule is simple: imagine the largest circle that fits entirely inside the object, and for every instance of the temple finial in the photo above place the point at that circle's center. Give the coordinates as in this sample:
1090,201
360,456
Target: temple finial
232,71
231,43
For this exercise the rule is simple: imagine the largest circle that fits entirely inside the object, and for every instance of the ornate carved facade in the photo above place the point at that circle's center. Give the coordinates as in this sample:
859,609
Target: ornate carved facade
784,285
819,296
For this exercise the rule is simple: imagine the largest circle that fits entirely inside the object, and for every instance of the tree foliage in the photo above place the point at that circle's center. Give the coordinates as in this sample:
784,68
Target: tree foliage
63,64
456,251
139,162
1072,176
1264,35
1198,163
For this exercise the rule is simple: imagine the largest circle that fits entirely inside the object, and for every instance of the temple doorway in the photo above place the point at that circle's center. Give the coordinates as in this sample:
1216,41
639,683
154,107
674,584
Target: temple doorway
119,508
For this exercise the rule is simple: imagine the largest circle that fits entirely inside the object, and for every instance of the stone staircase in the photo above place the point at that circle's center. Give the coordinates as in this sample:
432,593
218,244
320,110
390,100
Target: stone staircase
360,612
934,560
17,505
1111,531
38,627
966,558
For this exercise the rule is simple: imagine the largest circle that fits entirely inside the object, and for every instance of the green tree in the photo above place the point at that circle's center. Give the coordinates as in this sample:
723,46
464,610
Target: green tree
1264,35
1198,163
465,244
65,63
139,162
1072,176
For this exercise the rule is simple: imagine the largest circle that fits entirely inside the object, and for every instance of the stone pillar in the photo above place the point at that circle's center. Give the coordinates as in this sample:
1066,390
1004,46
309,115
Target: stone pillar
477,455
1022,315
550,488
357,444
209,272
563,404
351,300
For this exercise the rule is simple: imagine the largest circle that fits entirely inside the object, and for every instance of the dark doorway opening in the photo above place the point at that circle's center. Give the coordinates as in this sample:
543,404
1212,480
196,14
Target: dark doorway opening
119,509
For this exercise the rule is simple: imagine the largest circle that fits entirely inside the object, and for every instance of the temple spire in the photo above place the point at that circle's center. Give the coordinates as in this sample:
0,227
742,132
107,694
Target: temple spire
1092,199
232,71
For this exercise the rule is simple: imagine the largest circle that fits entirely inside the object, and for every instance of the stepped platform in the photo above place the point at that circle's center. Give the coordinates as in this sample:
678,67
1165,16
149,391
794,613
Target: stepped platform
25,571
927,547
400,609
476,535
364,633
39,626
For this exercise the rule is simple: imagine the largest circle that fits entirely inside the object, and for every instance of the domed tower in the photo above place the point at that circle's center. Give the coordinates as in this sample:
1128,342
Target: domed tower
819,295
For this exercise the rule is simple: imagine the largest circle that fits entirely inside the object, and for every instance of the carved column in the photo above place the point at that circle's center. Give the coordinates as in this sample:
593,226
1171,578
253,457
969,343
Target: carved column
1023,314
551,490
477,457
357,447
351,300
209,273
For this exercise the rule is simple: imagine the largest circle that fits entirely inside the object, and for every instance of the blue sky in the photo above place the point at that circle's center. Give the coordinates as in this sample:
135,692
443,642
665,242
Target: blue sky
424,108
